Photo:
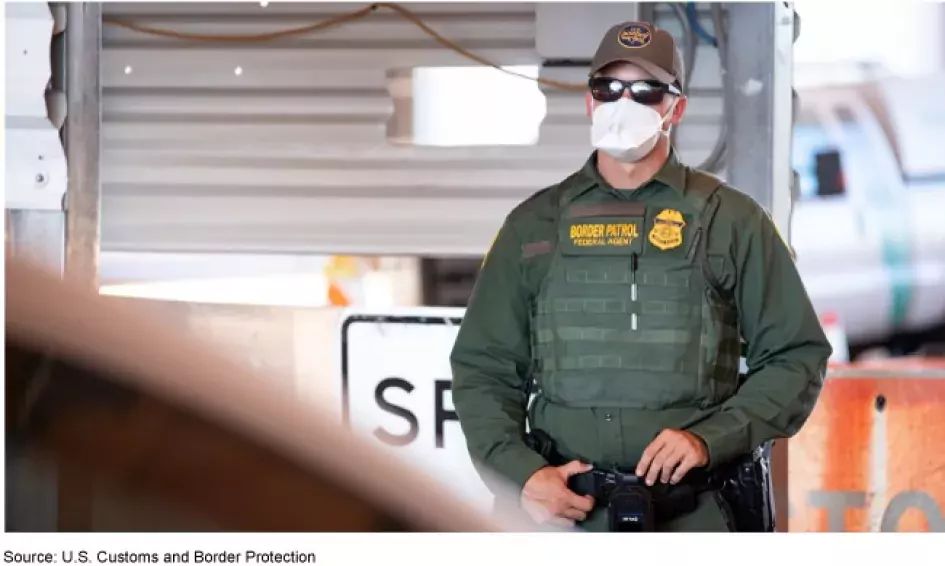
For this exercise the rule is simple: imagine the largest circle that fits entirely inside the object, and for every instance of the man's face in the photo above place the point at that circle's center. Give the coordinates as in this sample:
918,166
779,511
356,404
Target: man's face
630,72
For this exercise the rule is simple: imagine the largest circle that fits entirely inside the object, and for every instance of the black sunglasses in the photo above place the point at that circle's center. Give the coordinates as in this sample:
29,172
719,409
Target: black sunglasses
649,92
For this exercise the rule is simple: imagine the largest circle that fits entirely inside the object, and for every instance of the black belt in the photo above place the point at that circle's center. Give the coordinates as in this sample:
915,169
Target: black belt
742,486
669,500
595,482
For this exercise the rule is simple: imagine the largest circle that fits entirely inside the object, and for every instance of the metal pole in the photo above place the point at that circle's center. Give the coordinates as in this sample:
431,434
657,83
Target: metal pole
83,141
31,487
35,227
749,98
758,104
83,202
760,118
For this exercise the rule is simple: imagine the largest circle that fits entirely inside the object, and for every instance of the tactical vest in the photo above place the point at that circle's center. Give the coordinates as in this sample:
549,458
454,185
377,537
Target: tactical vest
629,314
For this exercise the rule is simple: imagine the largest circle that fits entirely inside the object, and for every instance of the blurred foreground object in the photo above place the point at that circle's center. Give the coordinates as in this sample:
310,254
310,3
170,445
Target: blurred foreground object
143,414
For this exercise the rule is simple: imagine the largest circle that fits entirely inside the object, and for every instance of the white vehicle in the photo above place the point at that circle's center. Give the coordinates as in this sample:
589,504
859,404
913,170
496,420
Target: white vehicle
868,225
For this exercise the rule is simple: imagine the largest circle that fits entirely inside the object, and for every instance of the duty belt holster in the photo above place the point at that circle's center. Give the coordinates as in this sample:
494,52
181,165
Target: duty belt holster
633,506
748,491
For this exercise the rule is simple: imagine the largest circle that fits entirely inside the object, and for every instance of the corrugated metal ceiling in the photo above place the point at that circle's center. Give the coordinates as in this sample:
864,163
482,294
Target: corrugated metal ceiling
283,146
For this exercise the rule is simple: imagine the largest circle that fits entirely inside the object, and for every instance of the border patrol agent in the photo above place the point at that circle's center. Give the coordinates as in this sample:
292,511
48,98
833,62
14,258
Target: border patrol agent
621,298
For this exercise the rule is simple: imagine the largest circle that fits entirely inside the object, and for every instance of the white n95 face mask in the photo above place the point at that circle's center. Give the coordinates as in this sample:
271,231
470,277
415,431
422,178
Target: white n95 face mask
627,130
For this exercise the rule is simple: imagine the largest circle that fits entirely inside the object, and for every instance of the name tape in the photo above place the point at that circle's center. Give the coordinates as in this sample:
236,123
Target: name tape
604,234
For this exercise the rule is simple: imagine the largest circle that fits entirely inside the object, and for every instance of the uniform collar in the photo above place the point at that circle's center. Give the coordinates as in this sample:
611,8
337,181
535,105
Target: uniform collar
672,174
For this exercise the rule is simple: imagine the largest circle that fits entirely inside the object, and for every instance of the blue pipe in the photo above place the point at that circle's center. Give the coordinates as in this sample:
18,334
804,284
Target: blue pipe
697,27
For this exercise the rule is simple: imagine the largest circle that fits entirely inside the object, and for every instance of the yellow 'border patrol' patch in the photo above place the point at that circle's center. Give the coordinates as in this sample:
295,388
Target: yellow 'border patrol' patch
666,233
610,234
634,36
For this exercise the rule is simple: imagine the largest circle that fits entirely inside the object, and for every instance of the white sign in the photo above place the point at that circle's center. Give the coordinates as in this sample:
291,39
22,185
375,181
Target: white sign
397,391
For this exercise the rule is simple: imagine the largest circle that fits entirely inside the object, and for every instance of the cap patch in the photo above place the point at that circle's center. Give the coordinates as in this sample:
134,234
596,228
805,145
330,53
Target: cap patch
635,36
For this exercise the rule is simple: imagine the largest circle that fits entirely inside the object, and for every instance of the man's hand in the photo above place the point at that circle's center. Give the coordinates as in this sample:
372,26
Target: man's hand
547,499
671,455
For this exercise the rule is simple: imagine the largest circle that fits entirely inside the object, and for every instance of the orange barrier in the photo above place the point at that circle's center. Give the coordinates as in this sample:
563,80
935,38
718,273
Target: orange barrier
871,456
336,296
340,269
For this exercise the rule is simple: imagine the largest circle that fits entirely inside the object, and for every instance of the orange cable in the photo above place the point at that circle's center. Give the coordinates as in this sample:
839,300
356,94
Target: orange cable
333,22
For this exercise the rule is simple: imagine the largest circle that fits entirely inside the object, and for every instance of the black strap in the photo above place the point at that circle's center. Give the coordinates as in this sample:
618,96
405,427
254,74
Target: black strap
702,246
703,189
593,482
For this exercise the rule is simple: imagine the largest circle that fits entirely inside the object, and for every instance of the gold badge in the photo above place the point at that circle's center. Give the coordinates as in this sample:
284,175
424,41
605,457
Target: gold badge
667,229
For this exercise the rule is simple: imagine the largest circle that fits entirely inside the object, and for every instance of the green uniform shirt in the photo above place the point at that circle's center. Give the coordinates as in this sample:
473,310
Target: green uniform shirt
786,356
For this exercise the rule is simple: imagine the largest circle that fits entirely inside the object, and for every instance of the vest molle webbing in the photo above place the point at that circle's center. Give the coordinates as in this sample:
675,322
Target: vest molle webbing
629,314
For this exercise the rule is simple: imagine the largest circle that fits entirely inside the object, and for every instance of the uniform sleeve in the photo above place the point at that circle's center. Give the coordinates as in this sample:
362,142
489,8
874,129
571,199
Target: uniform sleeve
490,362
787,349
